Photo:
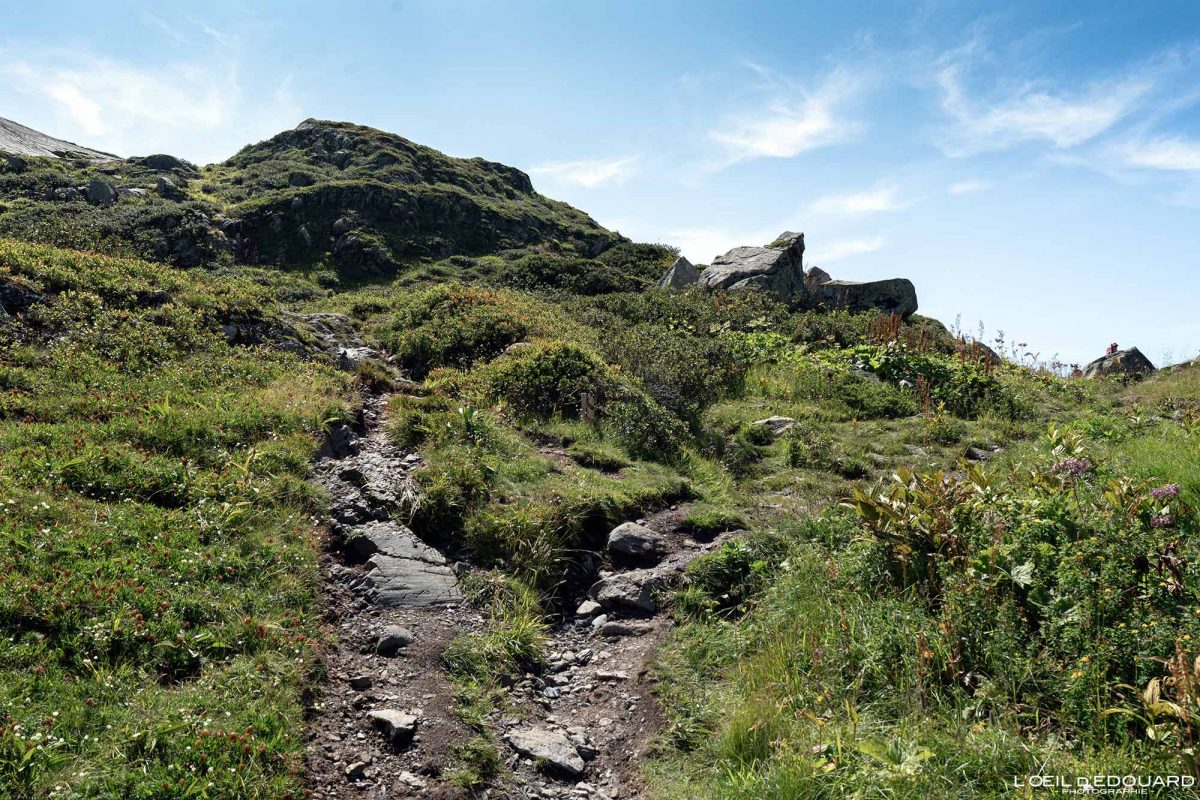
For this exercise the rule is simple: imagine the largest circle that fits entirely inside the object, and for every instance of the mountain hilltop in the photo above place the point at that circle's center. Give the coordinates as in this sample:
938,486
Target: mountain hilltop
348,469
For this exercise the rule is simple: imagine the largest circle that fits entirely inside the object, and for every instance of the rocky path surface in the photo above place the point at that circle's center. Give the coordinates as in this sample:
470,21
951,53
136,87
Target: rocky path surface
383,725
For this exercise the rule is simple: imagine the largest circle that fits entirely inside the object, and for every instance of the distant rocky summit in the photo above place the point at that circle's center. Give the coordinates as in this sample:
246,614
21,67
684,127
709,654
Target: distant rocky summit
778,268
17,140
1129,362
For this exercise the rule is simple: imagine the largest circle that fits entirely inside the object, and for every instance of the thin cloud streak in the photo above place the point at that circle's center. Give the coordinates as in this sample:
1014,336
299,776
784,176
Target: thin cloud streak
854,204
1170,153
970,186
793,121
590,173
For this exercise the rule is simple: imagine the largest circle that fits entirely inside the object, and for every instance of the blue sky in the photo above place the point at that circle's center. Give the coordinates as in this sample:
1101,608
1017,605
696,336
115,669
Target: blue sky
1034,166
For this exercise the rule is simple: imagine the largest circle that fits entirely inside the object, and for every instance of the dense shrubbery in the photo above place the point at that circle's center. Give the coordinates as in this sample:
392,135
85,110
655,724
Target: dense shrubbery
457,326
1057,582
569,274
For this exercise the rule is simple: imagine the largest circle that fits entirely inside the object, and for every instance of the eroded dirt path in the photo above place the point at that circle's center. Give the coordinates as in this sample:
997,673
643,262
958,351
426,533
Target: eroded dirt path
384,726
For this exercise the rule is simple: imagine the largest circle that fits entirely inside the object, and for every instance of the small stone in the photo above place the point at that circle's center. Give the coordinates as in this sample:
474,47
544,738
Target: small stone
587,608
393,639
397,726
632,540
356,771
360,682
776,425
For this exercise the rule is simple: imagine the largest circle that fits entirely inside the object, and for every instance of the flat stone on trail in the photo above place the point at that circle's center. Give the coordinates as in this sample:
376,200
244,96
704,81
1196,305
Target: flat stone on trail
617,629
404,570
632,540
777,425
548,748
633,590
397,726
409,582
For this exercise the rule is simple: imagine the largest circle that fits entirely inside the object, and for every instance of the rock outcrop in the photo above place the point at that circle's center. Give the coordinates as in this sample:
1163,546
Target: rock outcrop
22,141
891,296
679,275
777,269
1129,362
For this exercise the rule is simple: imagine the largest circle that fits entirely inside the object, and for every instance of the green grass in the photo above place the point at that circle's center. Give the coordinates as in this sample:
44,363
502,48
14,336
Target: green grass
159,581
817,662
158,577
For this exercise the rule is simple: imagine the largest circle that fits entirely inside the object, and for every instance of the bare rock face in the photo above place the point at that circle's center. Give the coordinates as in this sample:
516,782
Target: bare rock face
1129,362
22,141
777,268
679,275
891,296
404,571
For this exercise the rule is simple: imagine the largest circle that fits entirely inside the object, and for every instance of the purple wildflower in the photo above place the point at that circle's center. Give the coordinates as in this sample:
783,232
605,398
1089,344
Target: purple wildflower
1161,521
1073,467
1165,492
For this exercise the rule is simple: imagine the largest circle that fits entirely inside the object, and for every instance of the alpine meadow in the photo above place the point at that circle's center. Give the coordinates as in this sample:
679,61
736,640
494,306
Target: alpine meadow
345,468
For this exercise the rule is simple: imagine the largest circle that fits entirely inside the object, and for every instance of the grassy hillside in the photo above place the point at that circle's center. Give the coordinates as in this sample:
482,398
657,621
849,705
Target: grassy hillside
946,572
158,583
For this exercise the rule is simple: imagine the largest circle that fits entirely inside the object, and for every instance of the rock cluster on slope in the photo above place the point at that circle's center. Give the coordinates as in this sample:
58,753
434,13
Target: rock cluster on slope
778,269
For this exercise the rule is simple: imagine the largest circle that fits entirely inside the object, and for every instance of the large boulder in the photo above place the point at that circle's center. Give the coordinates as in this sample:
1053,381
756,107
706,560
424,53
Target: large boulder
632,541
1129,362
891,296
679,275
16,299
777,268
101,192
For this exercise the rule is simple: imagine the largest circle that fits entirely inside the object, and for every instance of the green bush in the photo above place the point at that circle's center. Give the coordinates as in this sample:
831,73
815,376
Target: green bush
451,326
561,379
576,276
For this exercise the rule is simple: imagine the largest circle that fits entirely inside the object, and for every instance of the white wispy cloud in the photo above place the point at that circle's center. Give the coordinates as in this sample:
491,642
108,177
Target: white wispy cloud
792,121
590,173
196,108
845,248
1171,153
871,201
969,186
1032,112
